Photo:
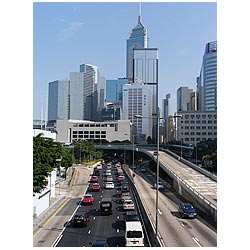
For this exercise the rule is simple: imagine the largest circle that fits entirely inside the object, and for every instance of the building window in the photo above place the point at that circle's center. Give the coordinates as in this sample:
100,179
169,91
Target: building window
198,127
198,122
204,116
204,122
203,127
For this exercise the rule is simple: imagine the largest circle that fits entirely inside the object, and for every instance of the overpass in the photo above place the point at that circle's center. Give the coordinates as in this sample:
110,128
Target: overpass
194,183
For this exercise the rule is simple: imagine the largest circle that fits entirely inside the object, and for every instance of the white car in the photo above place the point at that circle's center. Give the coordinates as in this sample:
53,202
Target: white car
160,185
128,205
110,185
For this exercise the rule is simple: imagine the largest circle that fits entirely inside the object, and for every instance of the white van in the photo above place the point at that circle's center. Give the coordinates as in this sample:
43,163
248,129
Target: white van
134,236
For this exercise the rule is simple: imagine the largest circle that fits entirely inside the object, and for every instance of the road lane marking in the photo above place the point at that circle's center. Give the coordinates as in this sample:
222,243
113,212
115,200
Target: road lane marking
159,211
196,241
89,231
51,217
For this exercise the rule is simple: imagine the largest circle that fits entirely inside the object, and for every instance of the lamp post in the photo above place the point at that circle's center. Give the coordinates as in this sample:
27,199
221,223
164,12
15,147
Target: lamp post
157,171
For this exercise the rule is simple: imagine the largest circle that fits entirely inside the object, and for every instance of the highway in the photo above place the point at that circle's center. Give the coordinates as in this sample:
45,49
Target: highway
176,232
105,227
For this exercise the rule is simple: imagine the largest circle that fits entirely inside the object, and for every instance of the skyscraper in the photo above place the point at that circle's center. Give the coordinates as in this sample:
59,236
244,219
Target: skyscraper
114,89
137,39
90,88
207,81
58,101
137,100
183,98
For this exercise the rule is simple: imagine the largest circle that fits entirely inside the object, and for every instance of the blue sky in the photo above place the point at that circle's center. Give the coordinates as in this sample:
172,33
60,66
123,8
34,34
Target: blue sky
69,34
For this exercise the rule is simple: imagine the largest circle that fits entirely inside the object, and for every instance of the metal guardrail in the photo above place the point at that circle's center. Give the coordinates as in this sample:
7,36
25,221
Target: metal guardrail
145,214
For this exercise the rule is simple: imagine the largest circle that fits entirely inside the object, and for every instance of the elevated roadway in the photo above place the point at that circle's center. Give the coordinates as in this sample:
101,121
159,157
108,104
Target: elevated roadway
194,183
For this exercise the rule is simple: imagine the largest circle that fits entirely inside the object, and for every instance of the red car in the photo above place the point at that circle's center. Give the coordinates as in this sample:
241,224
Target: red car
87,199
121,178
96,187
94,179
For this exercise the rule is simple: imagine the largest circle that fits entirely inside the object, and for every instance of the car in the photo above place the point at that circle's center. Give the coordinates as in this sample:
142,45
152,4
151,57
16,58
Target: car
160,186
87,199
187,210
124,188
100,243
96,172
119,170
109,185
109,178
94,178
125,196
131,216
143,170
121,178
155,153
128,205
96,187
106,206
80,218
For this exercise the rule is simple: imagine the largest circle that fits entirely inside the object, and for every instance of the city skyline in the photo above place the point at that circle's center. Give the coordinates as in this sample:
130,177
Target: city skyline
76,36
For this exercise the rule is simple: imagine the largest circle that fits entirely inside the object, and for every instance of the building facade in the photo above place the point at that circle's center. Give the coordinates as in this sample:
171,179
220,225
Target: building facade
73,130
137,100
114,90
58,101
195,126
207,81
137,39
183,98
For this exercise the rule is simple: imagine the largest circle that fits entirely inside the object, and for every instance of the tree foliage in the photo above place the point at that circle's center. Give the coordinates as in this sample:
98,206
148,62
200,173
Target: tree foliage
45,154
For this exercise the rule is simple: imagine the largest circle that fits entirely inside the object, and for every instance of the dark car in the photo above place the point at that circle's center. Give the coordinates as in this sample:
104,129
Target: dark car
106,206
131,216
80,218
99,243
187,210
124,188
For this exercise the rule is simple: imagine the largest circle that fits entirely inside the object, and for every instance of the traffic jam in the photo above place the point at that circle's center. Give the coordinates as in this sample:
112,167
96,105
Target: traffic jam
105,178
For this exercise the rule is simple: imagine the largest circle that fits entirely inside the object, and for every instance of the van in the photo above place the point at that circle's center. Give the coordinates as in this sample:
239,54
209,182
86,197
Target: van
134,236
106,206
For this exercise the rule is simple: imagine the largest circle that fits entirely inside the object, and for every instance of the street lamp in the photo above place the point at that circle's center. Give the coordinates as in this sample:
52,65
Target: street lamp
157,170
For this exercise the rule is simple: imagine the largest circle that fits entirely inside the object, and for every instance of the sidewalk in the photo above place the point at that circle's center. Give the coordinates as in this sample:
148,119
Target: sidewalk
62,192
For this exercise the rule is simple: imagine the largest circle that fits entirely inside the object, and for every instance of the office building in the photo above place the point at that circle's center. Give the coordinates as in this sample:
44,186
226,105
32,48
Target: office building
137,100
207,81
196,126
114,90
58,101
73,130
183,98
165,115
90,95
146,70
137,39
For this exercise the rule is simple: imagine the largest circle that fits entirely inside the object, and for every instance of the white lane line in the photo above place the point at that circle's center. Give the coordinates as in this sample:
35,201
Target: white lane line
196,241
89,231
159,211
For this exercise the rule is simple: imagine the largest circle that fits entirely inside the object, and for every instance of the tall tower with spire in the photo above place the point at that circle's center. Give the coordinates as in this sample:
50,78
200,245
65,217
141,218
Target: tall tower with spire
137,39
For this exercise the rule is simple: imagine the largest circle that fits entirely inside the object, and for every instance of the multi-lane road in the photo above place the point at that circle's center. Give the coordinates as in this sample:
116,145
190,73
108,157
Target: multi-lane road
61,233
176,232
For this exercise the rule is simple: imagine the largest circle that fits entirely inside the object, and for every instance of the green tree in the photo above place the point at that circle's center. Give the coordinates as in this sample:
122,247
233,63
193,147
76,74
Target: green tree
45,153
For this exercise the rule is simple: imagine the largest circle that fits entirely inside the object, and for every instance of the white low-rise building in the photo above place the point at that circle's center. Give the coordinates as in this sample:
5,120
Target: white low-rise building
70,130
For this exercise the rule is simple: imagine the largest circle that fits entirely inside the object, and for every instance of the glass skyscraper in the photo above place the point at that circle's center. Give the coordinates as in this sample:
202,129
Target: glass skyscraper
114,89
58,101
207,81
137,39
